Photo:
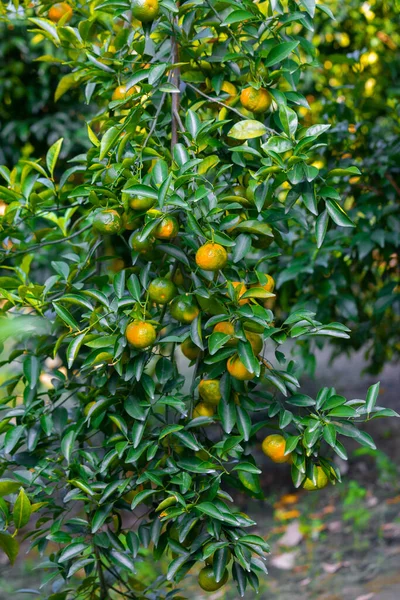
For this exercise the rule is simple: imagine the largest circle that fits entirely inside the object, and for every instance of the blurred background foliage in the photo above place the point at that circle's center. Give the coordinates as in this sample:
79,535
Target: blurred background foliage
354,276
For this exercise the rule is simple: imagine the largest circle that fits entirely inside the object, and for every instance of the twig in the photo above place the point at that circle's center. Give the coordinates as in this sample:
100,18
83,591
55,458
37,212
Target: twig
155,119
103,585
234,110
51,243
391,180
175,80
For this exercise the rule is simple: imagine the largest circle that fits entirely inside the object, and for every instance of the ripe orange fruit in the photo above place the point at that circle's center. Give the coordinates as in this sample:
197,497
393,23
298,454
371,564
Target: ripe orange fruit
257,101
183,308
230,89
211,257
58,10
121,93
3,208
202,409
145,249
268,286
145,10
228,329
209,391
242,290
162,290
274,447
207,580
107,221
141,204
189,349
167,229
322,481
237,369
140,334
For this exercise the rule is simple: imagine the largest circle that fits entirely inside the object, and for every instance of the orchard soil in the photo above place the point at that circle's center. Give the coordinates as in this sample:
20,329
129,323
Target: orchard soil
342,543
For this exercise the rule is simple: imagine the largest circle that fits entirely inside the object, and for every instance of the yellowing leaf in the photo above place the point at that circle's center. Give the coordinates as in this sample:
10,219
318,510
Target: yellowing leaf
247,129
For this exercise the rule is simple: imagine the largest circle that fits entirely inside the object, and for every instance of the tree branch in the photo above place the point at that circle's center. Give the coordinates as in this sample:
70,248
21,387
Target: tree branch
175,80
103,585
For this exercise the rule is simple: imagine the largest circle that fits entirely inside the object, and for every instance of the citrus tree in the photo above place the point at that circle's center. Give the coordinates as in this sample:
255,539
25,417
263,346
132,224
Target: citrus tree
354,277
143,361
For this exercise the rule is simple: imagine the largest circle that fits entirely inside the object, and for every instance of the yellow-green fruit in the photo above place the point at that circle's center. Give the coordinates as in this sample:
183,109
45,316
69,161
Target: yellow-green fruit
140,203
256,341
107,221
145,10
209,391
145,248
183,308
140,334
322,481
237,369
202,409
207,580
162,290
189,349
211,257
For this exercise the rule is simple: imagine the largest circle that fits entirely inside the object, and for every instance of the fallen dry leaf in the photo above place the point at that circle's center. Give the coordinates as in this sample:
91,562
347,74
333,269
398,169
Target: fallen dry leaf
334,567
292,536
284,561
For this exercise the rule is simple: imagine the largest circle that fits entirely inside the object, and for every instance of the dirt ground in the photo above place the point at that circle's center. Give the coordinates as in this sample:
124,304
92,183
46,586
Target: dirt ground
340,544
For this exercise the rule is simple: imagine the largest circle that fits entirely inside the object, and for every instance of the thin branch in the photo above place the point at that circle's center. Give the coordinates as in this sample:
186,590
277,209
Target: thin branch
103,585
215,101
51,243
154,123
175,80
392,181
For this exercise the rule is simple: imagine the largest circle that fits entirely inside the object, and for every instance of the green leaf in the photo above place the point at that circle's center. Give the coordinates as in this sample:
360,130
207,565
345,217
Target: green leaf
8,486
31,368
10,546
107,141
348,171
337,214
66,82
52,155
248,129
248,467
329,433
220,561
73,348
67,444
237,16
65,315
372,396
288,119
47,26
279,53
119,284
300,400
22,510
216,341
71,551
321,226
144,191
12,438
343,411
